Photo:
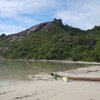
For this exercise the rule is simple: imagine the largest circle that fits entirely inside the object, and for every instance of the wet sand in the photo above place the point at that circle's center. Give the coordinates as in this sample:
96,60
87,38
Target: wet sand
43,87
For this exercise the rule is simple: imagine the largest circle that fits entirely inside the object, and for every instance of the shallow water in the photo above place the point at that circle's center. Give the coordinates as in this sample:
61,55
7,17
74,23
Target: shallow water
19,70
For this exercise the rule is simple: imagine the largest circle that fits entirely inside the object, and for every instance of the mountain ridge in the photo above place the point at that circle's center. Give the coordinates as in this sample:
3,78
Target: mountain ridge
52,40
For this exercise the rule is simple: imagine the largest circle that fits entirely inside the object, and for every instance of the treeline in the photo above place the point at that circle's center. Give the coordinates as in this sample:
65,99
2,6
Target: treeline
58,42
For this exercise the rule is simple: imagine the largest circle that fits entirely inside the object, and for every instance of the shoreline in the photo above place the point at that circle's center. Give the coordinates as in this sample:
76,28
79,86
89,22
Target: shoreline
44,87
55,61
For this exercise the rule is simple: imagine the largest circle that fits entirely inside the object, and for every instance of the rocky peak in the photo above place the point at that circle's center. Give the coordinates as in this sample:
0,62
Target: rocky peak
57,20
44,25
36,28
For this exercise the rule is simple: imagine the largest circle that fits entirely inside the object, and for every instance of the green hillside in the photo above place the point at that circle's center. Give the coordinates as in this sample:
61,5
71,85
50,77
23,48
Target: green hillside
53,40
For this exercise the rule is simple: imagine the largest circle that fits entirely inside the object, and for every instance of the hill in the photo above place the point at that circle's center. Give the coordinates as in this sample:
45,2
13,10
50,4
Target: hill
52,40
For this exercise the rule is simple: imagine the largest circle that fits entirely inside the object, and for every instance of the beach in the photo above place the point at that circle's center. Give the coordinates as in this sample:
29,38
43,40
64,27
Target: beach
44,87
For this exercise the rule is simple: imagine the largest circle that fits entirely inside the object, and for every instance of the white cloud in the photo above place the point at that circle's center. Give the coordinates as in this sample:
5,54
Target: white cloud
79,13
10,28
23,24
83,15
18,10
17,7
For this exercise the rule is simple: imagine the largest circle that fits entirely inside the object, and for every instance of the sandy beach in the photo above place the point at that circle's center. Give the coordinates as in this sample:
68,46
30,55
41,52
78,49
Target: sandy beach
44,87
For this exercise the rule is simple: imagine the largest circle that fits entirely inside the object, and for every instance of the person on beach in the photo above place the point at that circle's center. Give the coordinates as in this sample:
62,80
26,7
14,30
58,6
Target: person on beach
56,76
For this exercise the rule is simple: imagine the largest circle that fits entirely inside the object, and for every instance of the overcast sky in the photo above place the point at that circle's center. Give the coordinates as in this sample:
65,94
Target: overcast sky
18,15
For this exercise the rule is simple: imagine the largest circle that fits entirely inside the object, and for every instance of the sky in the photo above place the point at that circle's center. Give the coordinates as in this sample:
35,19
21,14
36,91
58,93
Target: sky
18,15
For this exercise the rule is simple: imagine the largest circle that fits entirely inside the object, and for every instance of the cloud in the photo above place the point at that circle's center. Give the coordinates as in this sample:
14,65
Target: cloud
10,28
17,7
21,23
83,14
18,15
21,13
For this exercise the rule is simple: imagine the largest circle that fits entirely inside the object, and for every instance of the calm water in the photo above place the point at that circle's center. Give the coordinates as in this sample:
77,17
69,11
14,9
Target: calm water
19,70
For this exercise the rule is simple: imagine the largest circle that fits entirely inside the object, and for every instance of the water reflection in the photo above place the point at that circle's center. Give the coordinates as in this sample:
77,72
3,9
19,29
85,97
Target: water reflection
19,70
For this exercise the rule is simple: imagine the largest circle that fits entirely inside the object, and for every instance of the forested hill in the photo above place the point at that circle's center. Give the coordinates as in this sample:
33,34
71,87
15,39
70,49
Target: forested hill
52,40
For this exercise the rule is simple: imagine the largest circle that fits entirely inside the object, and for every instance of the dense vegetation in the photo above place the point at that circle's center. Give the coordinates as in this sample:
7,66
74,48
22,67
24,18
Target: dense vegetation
57,41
